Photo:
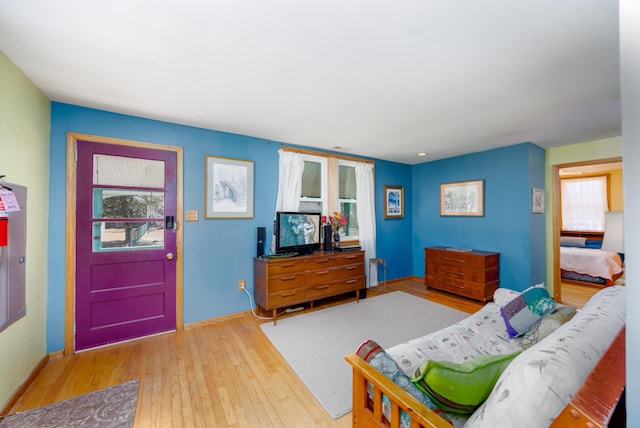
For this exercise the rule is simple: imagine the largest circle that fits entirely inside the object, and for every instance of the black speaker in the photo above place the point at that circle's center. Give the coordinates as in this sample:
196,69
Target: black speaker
327,238
262,236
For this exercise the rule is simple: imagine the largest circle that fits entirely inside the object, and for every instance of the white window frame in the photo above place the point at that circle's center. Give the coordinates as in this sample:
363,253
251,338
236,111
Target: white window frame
323,182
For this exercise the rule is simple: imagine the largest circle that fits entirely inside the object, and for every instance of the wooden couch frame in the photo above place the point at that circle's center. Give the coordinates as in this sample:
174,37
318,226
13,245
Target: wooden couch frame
592,406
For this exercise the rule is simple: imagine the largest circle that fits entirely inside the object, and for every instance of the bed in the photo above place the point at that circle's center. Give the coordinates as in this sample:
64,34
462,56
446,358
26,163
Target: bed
569,389
584,261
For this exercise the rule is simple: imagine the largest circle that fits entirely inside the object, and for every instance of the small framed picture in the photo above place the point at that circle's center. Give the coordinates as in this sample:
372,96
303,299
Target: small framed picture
537,201
393,202
228,188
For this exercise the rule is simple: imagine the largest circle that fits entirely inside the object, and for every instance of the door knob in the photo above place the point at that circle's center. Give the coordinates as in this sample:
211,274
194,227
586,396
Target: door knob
169,256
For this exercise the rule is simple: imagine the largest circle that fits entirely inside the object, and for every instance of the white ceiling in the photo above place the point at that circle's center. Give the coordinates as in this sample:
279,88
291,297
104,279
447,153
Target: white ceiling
384,79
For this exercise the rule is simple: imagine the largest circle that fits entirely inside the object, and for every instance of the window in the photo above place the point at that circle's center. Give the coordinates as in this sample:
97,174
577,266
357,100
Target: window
329,185
584,202
347,197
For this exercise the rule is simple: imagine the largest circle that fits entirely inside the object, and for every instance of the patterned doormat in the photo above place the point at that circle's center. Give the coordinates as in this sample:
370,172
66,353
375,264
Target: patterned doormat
112,407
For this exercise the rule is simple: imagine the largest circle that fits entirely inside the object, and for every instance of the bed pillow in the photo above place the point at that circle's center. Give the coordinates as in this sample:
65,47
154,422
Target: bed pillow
461,388
547,325
525,310
572,241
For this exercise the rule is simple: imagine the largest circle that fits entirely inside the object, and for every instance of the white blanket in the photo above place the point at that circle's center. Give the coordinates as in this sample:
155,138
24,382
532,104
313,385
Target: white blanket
589,261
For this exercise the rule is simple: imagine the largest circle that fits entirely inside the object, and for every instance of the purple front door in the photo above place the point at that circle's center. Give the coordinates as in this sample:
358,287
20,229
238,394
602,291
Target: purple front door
125,243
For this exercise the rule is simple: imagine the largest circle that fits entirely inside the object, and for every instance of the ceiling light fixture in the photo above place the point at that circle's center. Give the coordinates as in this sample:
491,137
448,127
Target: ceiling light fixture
422,154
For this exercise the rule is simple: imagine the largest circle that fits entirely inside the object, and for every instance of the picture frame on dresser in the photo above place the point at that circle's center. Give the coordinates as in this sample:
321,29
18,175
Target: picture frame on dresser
393,202
462,198
228,187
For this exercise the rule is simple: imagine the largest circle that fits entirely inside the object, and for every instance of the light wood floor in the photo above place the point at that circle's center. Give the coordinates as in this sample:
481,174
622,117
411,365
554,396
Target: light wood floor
576,295
224,374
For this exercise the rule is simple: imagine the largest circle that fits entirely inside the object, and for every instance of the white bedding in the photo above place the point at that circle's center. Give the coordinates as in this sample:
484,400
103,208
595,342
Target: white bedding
589,261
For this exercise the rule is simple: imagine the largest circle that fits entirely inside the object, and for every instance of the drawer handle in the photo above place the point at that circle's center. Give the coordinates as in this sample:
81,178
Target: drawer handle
351,267
288,294
287,278
452,272
451,259
290,265
321,261
323,272
351,257
322,287
351,281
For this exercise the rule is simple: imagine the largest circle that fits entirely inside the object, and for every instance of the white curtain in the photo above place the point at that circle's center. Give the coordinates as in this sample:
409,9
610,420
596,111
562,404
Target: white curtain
366,215
290,168
584,202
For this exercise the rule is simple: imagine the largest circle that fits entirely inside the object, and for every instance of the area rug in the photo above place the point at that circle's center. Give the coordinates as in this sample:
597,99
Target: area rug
314,344
112,407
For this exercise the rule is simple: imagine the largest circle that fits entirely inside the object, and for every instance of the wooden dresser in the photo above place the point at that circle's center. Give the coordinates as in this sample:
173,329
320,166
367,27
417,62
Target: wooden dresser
280,283
470,273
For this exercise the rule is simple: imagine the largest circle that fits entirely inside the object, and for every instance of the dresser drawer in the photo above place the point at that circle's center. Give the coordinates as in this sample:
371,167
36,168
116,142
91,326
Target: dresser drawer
320,290
287,282
281,267
349,258
320,263
320,276
352,284
287,297
349,271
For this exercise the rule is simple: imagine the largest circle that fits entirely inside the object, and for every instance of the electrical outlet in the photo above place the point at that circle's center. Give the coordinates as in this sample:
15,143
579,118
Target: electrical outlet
241,284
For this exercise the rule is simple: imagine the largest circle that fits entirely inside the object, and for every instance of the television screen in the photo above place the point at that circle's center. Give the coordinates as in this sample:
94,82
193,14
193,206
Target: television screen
297,232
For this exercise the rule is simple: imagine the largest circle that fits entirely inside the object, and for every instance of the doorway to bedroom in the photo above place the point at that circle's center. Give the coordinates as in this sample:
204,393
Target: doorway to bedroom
586,196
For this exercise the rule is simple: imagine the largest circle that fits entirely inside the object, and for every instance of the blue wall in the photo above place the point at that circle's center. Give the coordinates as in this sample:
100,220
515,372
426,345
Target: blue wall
216,252
507,225
219,252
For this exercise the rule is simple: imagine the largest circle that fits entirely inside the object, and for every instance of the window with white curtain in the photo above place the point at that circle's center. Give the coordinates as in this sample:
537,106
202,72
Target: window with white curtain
584,202
318,195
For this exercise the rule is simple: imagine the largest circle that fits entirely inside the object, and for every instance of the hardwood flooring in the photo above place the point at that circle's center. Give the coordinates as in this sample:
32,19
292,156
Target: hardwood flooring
576,295
223,374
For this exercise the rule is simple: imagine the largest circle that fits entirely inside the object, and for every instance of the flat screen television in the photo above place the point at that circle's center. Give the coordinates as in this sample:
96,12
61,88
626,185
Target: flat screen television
297,232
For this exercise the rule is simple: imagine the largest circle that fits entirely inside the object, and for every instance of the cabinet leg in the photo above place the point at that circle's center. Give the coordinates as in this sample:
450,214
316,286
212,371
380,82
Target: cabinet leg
274,317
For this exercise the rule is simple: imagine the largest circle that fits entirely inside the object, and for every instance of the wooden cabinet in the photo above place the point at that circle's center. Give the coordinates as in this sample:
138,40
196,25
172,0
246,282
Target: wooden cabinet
470,273
280,283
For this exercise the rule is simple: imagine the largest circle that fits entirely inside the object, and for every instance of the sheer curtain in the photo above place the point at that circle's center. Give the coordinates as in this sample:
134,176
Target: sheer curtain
584,202
290,167
366,214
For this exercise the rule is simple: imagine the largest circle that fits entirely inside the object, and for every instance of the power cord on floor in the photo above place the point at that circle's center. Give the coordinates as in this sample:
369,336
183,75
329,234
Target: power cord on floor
251,306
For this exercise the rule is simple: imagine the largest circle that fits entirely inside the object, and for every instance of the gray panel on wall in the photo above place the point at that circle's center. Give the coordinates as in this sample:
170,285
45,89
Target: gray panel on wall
13,262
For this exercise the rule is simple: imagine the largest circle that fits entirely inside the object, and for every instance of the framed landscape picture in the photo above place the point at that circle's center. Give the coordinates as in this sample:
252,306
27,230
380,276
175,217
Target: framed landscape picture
393,202
463,198
228,188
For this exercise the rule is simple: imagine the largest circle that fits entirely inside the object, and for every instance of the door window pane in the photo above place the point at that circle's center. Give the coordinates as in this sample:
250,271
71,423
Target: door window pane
127,234
125,203
123,171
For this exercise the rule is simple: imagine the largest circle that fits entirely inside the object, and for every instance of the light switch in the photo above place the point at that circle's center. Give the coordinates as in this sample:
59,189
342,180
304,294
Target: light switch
191,215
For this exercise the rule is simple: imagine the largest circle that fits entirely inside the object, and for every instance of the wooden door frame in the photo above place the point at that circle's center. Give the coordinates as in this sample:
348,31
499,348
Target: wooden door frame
70,251
555,186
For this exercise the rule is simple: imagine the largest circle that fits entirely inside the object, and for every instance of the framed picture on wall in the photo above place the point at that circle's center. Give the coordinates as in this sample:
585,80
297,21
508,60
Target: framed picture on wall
228,188
463,198
393,202
537,201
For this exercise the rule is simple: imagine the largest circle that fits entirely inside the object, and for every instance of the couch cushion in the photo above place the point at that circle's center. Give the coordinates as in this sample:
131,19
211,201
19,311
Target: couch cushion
461,388
539,383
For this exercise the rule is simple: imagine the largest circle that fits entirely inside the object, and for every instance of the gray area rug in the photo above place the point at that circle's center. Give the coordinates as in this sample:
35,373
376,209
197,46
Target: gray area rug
112,407
314,344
